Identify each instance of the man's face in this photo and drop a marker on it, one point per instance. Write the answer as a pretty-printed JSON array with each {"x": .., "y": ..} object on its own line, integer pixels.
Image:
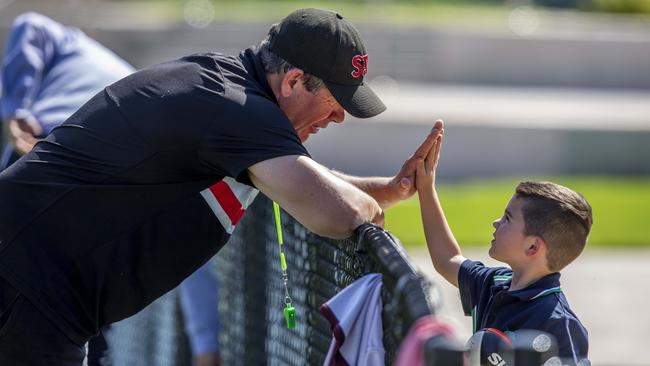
[
  {"x": 509, "y": 241},
  {"x": 309, "y": 112}
]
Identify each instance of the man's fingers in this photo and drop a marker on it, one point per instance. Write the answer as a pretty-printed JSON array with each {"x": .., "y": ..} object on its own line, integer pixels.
[
  {"x": 405, "y": 183},
  {"x": 430, "y": 160},
  {"x": 419, "y": 164},
  {"x": 425, "y": 147},
  {"x": 406, "y": 187}
]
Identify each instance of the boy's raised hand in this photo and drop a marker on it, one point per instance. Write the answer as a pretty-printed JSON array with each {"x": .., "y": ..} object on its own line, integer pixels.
[
  {"x": 426, "y": 168},
  {"x": 445, "y": 252}
]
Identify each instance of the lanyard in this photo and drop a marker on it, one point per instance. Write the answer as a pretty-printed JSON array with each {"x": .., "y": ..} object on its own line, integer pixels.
[{"x": 289, "y": 310}]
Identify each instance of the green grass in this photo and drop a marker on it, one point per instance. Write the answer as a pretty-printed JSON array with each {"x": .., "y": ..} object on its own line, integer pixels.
[
  {"x": 621, "y": 6},
  {"x": 621, "y": 209}
]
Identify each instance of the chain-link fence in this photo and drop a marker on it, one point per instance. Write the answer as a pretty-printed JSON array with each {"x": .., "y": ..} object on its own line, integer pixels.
[
  {"x": 252, "y": 293},
  {"x": 251, "y": 296}
]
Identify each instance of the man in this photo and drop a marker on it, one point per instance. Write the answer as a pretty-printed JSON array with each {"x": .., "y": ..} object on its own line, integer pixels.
[{"x": 127, "y": 209}]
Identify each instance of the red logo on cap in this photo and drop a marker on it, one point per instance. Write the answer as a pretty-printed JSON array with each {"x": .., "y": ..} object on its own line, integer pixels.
[{"x": 360, "y": 64}]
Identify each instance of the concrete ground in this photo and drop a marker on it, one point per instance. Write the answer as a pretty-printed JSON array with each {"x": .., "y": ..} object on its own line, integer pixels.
[{"x": 606, "y": 288}]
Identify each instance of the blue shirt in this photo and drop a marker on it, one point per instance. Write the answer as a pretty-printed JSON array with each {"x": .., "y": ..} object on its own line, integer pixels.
[
  {"x": 485, "y": 295},
  {"x": 50, "y": 70},
  {"x": 199, "y": 303}
]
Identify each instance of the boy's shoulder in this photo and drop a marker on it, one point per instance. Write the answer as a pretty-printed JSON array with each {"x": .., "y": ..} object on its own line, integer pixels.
[
  {"x": 476, "y": 272},
  {"x": 543, "y": 304},
  {"x": 475, "y": 283},
  {"x": 560, "y": 321}
]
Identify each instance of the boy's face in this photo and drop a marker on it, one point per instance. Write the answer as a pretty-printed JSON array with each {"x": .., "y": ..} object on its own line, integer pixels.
[{"x": 509, "y": 241}]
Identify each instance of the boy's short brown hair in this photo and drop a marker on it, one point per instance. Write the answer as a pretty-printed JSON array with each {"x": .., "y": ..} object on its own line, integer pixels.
[{"x": 558, "y": 215}]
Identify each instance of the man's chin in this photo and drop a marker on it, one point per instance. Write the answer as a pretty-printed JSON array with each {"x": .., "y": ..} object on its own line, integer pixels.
[{"x": 304, "y": 136}]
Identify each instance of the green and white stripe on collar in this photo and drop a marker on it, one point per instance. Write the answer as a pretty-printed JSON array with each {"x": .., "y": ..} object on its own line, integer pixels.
[
  {"x": 547, "y": 292},
  {"x": 526, "y": 295},
  {"x": 502, "y": 278}
]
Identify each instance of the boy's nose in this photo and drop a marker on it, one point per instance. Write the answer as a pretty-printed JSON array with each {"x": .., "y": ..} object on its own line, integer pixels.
[{"x": 495, "y": 223}]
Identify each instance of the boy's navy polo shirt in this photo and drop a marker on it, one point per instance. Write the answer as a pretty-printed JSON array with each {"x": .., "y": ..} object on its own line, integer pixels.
[{"x": 540, "y": 306}]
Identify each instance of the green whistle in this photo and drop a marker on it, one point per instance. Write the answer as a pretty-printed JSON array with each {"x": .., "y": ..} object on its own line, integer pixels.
[{"x": 290, "y": 316}]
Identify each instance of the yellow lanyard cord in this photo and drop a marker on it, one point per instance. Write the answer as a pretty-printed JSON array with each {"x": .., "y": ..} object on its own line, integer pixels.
[{"x": 289, "y": 310}]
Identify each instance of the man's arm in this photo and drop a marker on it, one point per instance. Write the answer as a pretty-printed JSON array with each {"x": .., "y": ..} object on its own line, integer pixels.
[
  {"x": 443, "y": 248},
  {"x": 324, "y": 203},
  {"x": 387, "y": 191}
]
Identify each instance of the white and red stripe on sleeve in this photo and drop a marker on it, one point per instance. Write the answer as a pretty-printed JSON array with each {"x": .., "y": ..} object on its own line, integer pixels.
[{"x": 228, "y": 199}]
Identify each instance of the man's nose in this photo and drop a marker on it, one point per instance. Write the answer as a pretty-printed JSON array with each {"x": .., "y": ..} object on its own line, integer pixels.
[
  {"x": 495, "y": 223},
  {"x": 338, "y": 115}
]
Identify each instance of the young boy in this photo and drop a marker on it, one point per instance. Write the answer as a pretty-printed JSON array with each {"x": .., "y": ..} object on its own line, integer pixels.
[{"x": 543, "y": 229}]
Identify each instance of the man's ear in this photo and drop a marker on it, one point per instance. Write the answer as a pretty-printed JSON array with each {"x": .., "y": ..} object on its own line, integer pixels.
[{"x": 290, "y": 81}]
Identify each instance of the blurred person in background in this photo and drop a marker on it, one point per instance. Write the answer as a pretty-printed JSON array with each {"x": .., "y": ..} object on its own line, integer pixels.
[{"x": 50, "y": 70}]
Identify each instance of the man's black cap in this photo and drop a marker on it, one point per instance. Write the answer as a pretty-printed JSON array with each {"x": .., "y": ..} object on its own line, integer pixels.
[{"x": 326, "y": 45}]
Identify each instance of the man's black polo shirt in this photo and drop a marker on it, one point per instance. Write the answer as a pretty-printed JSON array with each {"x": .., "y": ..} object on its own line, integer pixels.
[
  {"x": 540, "y": 306},
  {"x": 105, "y": 214}
]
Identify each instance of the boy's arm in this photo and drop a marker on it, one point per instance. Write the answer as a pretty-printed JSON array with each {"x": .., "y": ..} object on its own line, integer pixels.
[{"x": 443, "y": 248}]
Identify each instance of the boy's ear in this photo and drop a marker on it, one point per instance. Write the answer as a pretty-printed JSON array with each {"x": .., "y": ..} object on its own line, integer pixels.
[{"x": 534, "y": 245}]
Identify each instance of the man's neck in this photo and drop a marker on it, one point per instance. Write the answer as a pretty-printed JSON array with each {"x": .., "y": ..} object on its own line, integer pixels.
[{"x": 525, "y": 276}]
